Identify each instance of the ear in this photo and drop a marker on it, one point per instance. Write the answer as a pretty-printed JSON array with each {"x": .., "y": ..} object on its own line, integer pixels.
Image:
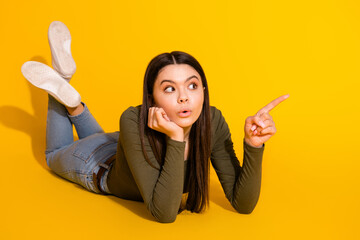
[{"x": 151, "y": 101}]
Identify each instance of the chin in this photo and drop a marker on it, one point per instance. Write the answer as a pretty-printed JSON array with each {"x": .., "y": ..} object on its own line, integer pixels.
[{"x": 185, "y": 122}]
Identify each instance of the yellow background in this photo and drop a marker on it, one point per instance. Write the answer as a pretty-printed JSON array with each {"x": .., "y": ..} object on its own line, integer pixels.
[{"x": 252, "y": 52}]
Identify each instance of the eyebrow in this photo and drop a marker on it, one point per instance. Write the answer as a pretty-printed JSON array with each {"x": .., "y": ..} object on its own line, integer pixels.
[{"x": 189, "y": 78}]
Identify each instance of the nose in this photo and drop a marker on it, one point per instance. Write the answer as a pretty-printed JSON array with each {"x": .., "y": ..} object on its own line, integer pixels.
[{"x": 183, "y": 98}]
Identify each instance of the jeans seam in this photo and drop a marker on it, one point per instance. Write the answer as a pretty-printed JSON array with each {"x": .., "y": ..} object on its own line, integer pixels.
[
  {"x": 77, "y": 119},
  {"x": 81, "y": 115},
  {"x": 92, "y": 153}
]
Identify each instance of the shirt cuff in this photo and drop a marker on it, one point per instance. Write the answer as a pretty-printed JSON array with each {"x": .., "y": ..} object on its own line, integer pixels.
[
  {"x": 253, "y": 149},
  {"x": 176, "y": 143}
]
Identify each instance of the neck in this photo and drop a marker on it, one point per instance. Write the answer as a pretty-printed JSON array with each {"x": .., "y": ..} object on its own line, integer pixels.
[{"x": 187, "y": 132}]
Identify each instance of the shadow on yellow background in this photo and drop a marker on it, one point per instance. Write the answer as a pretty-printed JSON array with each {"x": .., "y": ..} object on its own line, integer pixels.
[{"x": 252, "y": 52}]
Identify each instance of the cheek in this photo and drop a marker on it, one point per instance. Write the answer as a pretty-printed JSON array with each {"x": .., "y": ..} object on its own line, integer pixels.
[
  {"x": 198, "y": 104},
  {"x": 159, "y": 101},
  {"x": 168, "y": 108},
  {"x": 199, "y": 100}
]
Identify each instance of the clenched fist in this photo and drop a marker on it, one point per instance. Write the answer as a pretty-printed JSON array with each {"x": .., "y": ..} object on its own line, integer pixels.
[{"x": 159, "y": 121}]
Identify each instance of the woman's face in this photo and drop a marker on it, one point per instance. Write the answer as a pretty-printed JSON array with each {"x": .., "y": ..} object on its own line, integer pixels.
[{"x": 179, "y": 91}]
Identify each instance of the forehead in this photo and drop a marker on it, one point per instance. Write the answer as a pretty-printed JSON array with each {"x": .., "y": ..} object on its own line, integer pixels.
[{"x": 176, "y": 72}]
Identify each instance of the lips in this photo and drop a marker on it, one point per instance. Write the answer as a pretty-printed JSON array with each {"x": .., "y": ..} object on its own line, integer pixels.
[{"x": 184, "y": 113}]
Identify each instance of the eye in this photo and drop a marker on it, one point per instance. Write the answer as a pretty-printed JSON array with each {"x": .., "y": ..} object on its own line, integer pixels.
[
  {"x": 193, "y": 84},
  {"x": 167, "y": 89}
]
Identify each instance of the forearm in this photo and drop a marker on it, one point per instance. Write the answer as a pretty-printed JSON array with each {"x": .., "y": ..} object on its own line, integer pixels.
[
  {"x": 160, "y": 187},
  {"x": 166, "y": 199},
  {"x": 248, "y": 143},
  {"x": 247, "y": 187}
]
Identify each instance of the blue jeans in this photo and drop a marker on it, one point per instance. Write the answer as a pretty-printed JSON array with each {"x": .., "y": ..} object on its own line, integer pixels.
[{"x": 76, "y": 161}]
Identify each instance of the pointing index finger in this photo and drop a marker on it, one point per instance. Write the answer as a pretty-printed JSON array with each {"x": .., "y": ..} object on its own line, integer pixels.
[{"x": 272, "y": 104}]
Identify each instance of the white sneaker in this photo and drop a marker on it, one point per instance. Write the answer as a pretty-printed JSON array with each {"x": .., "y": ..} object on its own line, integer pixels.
[
  {"x": 44, "y": 77},
  {"x": 60, "y": 40}
]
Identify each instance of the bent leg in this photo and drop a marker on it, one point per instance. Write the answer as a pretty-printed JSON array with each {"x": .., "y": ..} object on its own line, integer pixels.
[
  {"x": 78, "y": 161},
  {"x": 59, "y": 131},
  {"x": 85, "y": 123}
]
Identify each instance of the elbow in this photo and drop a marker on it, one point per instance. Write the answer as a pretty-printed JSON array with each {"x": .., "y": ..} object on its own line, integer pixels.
[
  {"x": 165, "y": 215},
  {"x": 245, "y": 208},
  {"x": 245, "y": 205},
  {"x": 166, "y": 218}
]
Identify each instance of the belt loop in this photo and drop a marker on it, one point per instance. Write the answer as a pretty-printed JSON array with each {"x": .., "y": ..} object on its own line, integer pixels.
[{"x": 104, "y": 165}]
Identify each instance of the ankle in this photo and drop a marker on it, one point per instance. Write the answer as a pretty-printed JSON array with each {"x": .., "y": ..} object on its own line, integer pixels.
[{"x": 76, "y": 110}]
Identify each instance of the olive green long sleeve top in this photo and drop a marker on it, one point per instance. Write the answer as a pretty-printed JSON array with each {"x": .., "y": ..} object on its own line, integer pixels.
[{"x": 131, "y": 177}]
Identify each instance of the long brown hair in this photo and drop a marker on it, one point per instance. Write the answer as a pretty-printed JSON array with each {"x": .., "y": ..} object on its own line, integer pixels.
[{"x": 197, "y": 182}]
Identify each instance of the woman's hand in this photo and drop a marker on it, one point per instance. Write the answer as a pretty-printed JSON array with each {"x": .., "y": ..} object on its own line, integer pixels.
[
  {"x": 159, "y": 121},
  {"x": 261, "y": 127}
]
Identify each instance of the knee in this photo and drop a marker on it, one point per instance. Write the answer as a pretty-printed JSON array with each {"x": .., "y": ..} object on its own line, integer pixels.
[{"x": 47, "y": 158}]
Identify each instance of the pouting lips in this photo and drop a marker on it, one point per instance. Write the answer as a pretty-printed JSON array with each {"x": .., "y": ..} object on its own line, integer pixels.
[
  {"x": 185, "y": 113},
  {"x": 185, "y": 110}
]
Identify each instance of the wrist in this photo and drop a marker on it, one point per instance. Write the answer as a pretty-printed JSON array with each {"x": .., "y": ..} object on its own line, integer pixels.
[
  {"x": 177, "y": 137},
  {"x": 251, "y": 145}
]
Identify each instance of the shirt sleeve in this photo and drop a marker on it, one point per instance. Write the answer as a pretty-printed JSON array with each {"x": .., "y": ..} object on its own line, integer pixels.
[
  {"x": 161, "y": 189},
  {"x": 240, "y": 184}
]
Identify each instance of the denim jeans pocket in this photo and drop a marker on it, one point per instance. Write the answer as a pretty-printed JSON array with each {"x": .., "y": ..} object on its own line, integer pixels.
[{"x": 87, "y": 147}]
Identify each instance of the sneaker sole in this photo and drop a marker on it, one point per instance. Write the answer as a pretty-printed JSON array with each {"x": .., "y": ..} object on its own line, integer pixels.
[
  {"x": 60, "y": 40},
  {"x": 44, "y": 77}
]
